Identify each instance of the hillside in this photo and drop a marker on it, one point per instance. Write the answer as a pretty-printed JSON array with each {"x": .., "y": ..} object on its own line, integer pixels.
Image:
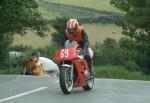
[{"x": 98, "y": 17}]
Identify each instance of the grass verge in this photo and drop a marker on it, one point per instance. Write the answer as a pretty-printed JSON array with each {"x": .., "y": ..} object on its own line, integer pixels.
[
  {"x": 17, "y": 71},
  {"x": 119, "y": 72}
]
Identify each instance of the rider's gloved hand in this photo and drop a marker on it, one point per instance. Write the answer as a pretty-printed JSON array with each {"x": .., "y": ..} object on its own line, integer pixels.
[{"x": 83, "y": 53}]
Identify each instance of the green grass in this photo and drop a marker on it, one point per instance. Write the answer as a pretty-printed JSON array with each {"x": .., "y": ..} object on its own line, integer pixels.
[
  {"x": 46, "y": 14},
  {"x": 93, "y": 4},
  {"x": 119, "y": 72},
  {"x": 3, "y": 71},
  {"x": 16, "y": 70},
  {"x": 51, "y": 9}
]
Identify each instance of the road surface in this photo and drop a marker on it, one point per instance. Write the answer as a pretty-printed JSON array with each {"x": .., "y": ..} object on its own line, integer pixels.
[{"x": 32, "y": 89}]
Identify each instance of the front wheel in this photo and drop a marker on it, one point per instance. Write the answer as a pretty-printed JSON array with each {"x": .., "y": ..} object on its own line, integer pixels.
[{"x": 66, "y": 82}]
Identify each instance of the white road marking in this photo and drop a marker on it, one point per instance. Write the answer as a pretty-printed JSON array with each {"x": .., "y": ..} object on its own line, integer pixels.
[
  {"x": 57, "y": 81},
  {"x": 23, "y": 94}
]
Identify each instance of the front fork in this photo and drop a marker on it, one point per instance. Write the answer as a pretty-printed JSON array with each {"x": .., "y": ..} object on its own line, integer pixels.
[
  {"x": 69, "y": 66},
  {"x": 71, "y": 76}
]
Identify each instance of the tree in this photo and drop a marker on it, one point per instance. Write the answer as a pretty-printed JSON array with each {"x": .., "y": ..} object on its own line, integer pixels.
[
  {"x": 17, "y": 16},
  {"x": 4, "y": 43},
  {"x": 129, "y": 53},
  {"x": 59, "y": 24},
  {"x": 137, "y": 26}
]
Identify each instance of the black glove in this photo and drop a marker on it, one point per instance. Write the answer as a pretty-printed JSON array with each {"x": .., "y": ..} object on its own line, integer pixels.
[{"x": 83, "y": 53}]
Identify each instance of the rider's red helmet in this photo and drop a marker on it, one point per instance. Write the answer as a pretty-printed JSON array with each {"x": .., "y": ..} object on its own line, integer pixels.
[{"x": 72, "y": 26}]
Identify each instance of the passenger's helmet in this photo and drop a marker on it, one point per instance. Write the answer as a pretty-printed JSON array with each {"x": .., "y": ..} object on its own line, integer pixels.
[{"x": 72, "y": 26}]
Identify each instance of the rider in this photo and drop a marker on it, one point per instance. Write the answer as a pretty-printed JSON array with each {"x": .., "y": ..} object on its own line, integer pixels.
[{"x": 76, "y": 32}]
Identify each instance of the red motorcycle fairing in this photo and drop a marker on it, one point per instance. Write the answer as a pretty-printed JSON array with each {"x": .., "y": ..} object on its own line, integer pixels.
[
  {"x": 63, "y": 54},
  {"x": 81, "y": 66}
]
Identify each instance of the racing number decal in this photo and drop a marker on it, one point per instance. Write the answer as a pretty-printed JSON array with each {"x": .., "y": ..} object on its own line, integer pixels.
[{"x": 64, "y": 53}]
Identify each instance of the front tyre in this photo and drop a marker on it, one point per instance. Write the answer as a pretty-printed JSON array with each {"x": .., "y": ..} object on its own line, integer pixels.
[{"x": 66, "y": 82}]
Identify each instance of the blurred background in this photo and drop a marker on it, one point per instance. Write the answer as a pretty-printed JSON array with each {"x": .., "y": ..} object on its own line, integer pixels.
[{"x": 119, "y": 34}]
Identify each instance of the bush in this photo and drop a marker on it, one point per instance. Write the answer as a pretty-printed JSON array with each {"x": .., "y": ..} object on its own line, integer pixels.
[
  {"x": 20, "y": 48},
  {"x": 48, "y": 51},
  {"x": 131, "y": 66},
  {"x": 124, "y": 53},
  {"x": 97, "y": 48},
  {"x": 27, "y": 50},
  {"x": 134, "y": 56},
  {"x": 143, "y": 57},
  {"x": 110, "y": 51},
  {"x": 107, "y": 53}
]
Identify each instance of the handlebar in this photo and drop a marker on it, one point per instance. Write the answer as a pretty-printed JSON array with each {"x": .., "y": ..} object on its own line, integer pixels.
[{"x": 80, "y": 54}]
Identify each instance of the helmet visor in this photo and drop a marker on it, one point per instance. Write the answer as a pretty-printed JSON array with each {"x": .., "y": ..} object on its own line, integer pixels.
[{"x": 72, "y": 31}]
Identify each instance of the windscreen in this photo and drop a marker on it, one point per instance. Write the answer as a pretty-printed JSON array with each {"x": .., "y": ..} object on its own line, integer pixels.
[{"x": 69, "y": 44}]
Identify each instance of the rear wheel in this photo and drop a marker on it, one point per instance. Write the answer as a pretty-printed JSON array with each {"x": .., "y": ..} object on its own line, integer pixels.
[
  {"x": 66, "y": 82},
  {"x": 90, "y": 81},
  {"x": 89, "y": 84}
]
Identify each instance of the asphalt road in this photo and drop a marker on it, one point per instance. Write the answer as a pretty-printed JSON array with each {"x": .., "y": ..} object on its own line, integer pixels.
[{"x": 30, "y": 89}]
